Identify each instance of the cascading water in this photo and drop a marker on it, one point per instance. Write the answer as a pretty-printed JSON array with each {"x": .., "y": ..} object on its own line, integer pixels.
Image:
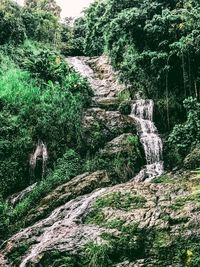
[{"x": 142, "y": 113}]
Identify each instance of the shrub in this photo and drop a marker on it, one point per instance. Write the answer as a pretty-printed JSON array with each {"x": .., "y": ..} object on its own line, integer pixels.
[
  {"x": 11, "y": 24},
  {"x": 125, "y": 107},
  {"x": 186, "y": 137}
]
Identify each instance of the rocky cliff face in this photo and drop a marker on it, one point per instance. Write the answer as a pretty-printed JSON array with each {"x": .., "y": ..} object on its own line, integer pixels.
[{"x": 88, "y": 221}]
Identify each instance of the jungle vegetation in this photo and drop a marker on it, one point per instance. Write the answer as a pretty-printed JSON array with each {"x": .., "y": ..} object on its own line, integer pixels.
[{"x": 153, "y": 43}]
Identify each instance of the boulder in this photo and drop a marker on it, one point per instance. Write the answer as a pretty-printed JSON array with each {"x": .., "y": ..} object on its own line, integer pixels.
[{"x": 101, "y": 126}]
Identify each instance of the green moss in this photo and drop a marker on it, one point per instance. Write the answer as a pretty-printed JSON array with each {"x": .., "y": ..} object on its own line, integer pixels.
[
  {"x": 122, "y": 165},
  {"x": 123, "y": 201},
  {"x": 162, "y": 179},
  {"x": 115, "y": 224},
  {"x": 96, "y": 216},
  {"x": 117, "y": 200},
  {"x": 125, "y": 107},
  {"x": 97, "y": 255},
  {"x": 167, "y": 179},
  {"x": 178, "y": 204},
  {"x": 128, "y": 244},
  {"x": 162, "y": 238},
  {"x": 182, "y": 201},
  {"x": 164, "y": 216},
  {"x": 124, "y": 95},
  {"x": 58, "y": 259}
]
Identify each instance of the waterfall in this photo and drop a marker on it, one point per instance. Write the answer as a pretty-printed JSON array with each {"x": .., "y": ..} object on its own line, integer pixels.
[
  {"x": 142, "y": 110},
  {"x": 142, "y": 113},
  {"x": 40, "y": 155}
]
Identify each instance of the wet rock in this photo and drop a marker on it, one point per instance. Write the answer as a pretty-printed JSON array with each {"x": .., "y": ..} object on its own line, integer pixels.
[
  {"x": 79, "y": 185},
  {"x": 119, "y": 144},
  {"x": 99, "y": 73},
  {"x": 61, "y": 231},
  {"x": 113, "y": 121},
  {"x": 125, "y": 264},
  {"x": 101, "y": 126},
  {"x": 107, "y": 103},
  {"x": 16, "y": 198},
  {"x": 64, "y": 229}
]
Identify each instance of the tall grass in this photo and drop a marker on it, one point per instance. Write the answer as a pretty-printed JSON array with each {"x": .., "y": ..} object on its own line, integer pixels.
[{"x": 16, "y": 87}]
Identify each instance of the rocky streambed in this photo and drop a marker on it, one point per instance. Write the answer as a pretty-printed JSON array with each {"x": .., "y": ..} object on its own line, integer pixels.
[
  {"x": 154, "y": 224},
  {"x": 103, "y": 217}
]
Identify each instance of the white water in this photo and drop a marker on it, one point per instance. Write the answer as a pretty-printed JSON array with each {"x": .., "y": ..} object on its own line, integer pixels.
[
  {"x": 102, "y": 78},
  {"x": 39, "y": 153},
  {"x": 61, "y": 230},
  {"x": 142, "y": 113}
]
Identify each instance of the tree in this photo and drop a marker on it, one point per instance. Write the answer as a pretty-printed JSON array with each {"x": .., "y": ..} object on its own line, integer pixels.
[
  {"x": 41, "y": 19},
  {"x": 11, "y": 24},
  {"x": 46, "y": 5}
]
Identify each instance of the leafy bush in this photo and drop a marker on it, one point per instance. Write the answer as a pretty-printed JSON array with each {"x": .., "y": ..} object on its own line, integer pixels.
[
  {"x": 41, "y": 25},
  {"x": 192, "y": 160},
  {"x": 4, "y": 219},
  {"x": 11, "y": 24},
  {"x": 185, "y": 138},
  {"x": 17, "y": 23},
  {"x": 125, "y": 107}
]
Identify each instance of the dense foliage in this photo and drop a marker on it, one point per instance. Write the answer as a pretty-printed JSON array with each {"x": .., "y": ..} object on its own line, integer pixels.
[
  {"x": 30, "y": 113},
  {"x": 155, "y": 45},
  {"x": 39, "y": 23},
  {"x": 41, "y": 99},
  {"x": 184, "y": 141}
]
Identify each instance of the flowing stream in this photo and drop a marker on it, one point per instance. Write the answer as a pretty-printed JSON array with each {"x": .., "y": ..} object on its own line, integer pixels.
[
  {"x": 61, "y": 230},
  {"x": 142, "y": 113}
]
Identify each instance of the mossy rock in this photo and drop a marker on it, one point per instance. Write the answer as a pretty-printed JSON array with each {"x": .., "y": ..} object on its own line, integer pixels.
[
  {"x": 101, "y": 126},
  {"x": 192, "y": 160},
  {"x": 108, "y": 103},
  {"x": 125, "y": 107},
  {"x": 123, "y": 201},
  {"x": 122, "y": 157}
]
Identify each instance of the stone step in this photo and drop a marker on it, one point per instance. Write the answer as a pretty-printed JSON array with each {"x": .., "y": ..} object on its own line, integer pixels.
[{"x": 107, "y": 103}]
